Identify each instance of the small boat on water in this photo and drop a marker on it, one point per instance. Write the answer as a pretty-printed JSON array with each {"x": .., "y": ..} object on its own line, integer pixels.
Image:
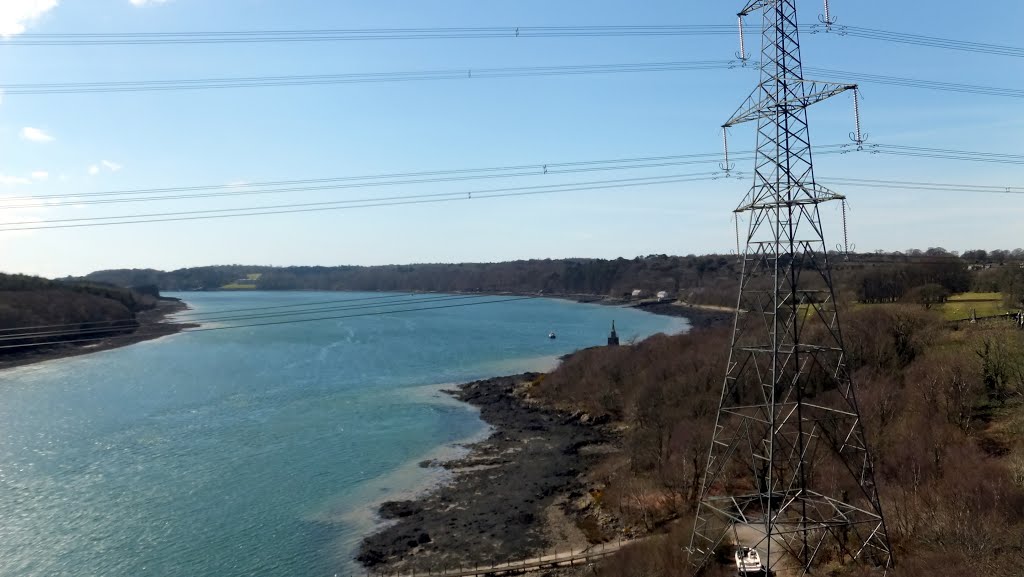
[
  {"x": 551, "y": 335},
  {"x": 748, "y": 561}
]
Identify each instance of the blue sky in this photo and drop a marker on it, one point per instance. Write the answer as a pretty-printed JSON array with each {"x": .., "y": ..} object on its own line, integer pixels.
[{"x": 58, "y": 144}]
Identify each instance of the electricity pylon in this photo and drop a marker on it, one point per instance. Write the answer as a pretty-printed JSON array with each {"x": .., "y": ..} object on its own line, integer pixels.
[{"x": 789, "y": 473}]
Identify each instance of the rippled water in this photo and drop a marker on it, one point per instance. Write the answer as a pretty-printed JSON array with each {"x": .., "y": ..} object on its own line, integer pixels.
[{"x": 258, "y": 451}]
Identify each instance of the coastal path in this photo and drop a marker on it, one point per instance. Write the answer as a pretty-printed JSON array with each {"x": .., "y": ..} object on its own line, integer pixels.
[{"x": 565, "y": 559}]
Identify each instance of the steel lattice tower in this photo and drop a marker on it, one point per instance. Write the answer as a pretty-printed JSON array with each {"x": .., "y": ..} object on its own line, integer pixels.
[{"x": 789, "y": 472}]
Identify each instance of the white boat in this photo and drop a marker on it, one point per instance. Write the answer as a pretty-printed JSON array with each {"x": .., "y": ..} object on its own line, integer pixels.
[
  {"x": 748, "y": 561},
  {"x": 551, "y": 335}
]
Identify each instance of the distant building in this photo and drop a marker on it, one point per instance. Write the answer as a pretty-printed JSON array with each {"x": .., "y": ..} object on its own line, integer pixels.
[
  {"x": 613, "y": 337},
  {"x": 662, "y": 295},
  {"x": 637, "y": 293}
]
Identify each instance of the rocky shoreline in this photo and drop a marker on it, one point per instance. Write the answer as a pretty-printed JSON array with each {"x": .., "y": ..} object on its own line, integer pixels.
[
  {"x": 700, "y": 317},
  {"x": 507, "y": 496},
  {"x": 152, "y": 325},
  {"x": 520, "y": 492}
]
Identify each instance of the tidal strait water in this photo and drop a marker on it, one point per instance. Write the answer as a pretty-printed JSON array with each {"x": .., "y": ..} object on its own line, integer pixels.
[{"x": 254, "y": 451}]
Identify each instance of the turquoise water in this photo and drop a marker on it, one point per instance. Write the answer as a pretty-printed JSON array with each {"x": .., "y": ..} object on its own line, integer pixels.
[{"x": 256, "y": 451}]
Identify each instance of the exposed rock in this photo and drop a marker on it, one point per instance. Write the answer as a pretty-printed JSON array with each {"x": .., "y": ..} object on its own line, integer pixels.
[
  {"x": 494, "y": 507},
  {"x": 399, "y": 509}
]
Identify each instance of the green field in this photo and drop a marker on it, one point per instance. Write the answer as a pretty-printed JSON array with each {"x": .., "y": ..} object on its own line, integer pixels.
[
  {"x": 959, "y": 306},
  {"x": 243, "y": 284},
  {"x": 976, "y": 297}
]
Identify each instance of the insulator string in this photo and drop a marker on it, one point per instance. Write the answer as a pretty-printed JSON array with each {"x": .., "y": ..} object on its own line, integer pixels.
[{"x": 846, "y": 235}]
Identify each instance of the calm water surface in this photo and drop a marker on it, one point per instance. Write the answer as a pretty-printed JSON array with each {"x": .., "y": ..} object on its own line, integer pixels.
[{"x": 256, "y": 451}]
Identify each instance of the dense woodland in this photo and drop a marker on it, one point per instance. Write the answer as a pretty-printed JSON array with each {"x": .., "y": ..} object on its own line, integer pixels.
[
  {"x": 572, "y": 276},
  {"x": 98, "y": 309},
  {"x": 943, "y": 407}
]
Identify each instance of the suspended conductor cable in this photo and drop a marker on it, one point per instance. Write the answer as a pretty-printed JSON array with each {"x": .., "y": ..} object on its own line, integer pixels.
[
  {"x": 825, "y": 23},
  {"x": 199, "y": 316},
  {"x": 273, "y": 323},
  {"x": 357, "y": 78}
]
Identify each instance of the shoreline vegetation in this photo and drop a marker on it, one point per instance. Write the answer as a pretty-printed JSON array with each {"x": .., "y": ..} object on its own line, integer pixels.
[
  {"x": 151, "y": 324},
  {"x": 42, "y": 319}
]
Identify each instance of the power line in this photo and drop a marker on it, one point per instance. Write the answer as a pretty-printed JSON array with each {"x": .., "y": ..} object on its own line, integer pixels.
[
  {"x": 455, "y": 175},
  {"x": 249, "y": 316},
  {"x": 920, "y": 40},
  {"x": 470, "y": 74},
  {"x": 357, "y": 78},
  {"x": 333, "y": 35},
  {"x": 82, "y": 222},
  {"x": 351, "y": 204},
  {"x": 494, "y": 32},
  {"x": 944, "y": 154},
  {"x": 339, "y": 183},
  {"x": 931, "y": 186},
  {"x": 534, "y": 169},
  {"x": 271, "y": 323},
  {"x": 198, "y": 316},
  {"x": 862, "y": 78},
  {"x": 140, "y": 196}
]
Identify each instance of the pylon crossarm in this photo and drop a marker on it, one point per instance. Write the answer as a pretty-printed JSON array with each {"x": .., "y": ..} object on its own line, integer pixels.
[
  {"x": 809, "y": 195},
  {"x": 755, "y": 5},
  {"x": 755, "y": 107}
]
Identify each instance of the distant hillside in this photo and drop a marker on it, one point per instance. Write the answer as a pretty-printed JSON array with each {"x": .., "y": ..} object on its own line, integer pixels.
[
  {"x": 63, "y": 309},
  {"x": 558, "y": 277},
  {"x": 709, "y": 279}
]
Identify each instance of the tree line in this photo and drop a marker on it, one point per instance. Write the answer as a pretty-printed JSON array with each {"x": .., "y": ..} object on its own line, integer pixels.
[
  {"x": 618, "y": 277},
  {"x": 27, "y": 303},
  {"x": 923, "y": 276}
]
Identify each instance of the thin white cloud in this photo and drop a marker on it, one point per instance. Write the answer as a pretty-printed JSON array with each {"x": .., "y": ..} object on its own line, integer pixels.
[
  {"x": 144, "y": 2},
  {"x": 40, "y": 175},
  {"x": 16, "y": 15},
  {"x": 35, "y": 135},
  {"x": 104, "y": 165},
  {"x": 7, "y": 180}
]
